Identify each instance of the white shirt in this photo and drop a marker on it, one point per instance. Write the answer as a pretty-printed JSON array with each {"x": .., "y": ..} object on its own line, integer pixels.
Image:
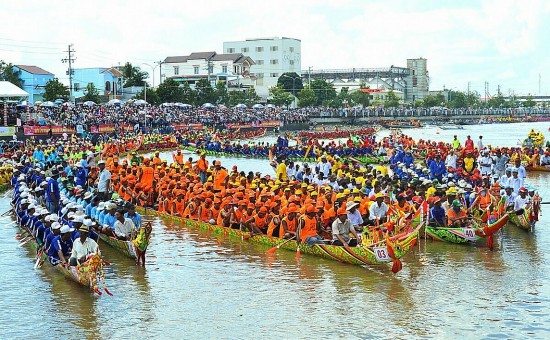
[
  {"x": 324, "y": 168},
  {"x": 520, "y": 203},
  {"x": 84, "y": 249},
  {"x": 450, "y": 161},
  {"x": 377, "y": 211},
  {"x": 124, "y": 229},
  {"x": 521, "y": 172},
  {"x": 355, "y": 218},
  {"x": 104, "y": 176},
  {"x": 516, "y": 183},
  {"x": 486, "y": 169}
]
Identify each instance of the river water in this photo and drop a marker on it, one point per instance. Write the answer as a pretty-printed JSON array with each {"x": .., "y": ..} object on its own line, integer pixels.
[{"x": 198, "y": 286}]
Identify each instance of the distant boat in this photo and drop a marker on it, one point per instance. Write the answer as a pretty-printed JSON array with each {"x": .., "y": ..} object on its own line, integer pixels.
[{"x": 451, "y": 127}]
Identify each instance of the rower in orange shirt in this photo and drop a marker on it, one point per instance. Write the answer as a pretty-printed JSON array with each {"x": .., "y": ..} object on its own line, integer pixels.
[
  {"x": 220, "y": 177},
  {"x": 456, "y": 215}
]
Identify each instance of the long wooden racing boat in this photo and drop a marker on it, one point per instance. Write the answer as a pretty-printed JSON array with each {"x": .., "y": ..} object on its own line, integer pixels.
[
  {"x": 545, "y": 168},
  {"x": 522, "y": 221},
  {"x": 380, "y": 253},
  {"x": 472, "y": 233},
  {"x": 89, "y": 274},
  {"x": 134, "y": 248}
]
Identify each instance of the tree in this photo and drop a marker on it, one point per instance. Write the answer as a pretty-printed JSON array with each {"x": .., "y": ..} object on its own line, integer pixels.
[
  {"x": 324, "y": 91},
  {"x": 251, "y": 97},
  {"x": 290, "y": 82},
  {"x": 434, "y": 100},
  {"x": 169, "y": 91},
  {"x": 221, "y": 93},
  {"x": 133, "y": 75},
  {"x": 91, "y": 93},
  {"x": 280, "y": 97},
  {"x": 8, "y": 73},
  {"x": 391, "y": 99},
  {"x": 457, "y": 99},
  {"x": 236, "y": 97},
  {"x": 307, "y": 97},
  {"x": 529, "y": 101},
  {"x": 359, "y": 97},
  {"x": 473, "y": 99},
  {"x": 151, "y": 98},
  {"x": 204, "y": 92},
  {"x": 188, "y": 94},
  {"x": 55, "y": 89},
  {"x": 496, "y": 101}
]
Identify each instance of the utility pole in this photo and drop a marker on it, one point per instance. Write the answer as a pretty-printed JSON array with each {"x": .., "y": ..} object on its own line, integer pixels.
[
  {"x": 160, "y": 70},
  {"x": 70, "y": 72},
  {"x": 309, "y": 76}
]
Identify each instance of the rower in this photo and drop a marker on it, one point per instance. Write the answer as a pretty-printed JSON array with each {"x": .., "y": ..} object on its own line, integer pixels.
[
  {"x": 123, "y": 227},
  {"x": 61, "y": 247},
  {"x": 133, "y": 215},
  {"x": 354, "y": 216},
  {"x": 438, "y": 214},
  {"x": 341, "y": 228},
  {"x": 456, "y": 214},
  {"x": 509, "y": 197},
  {"x": 308, "y": 228},
  {"x": 83, "y": 247},
  {"x": 378, "y": 211},
  {"x": 521, "y": 201}
]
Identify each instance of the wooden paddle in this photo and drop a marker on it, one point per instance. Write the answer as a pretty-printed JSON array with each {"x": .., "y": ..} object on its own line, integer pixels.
[{"x": 274, "y": 249}]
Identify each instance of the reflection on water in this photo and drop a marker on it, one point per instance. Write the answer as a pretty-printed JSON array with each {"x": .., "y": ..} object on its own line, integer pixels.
[{"x": 202, "y": 285}]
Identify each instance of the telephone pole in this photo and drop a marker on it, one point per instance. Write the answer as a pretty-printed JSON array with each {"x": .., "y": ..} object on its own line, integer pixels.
[{"x": 70, "y": 59}]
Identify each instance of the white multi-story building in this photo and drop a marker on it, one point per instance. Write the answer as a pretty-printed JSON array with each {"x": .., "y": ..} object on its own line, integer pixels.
[
  {"x": 232, "y": 68},
  {"x": 272, "y": 57}
]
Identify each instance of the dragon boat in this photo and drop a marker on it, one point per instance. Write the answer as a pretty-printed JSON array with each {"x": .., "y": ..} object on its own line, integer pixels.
[
  {"x": 391, "y": 249},
  {"x": 360, "y": 159},
  {"x": 88, "y": 274},
  {"x": 524, "y": 220},
  {"x": 476, "y": 230},
  {"x": 135, "y": 248},
  {"x": 542, "y": 168}
]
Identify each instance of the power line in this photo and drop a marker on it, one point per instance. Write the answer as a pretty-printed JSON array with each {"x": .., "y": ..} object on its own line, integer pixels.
[
  {"x": 29, "y": 52},
  {"x": 34, "y": 41},
  {"x": 70, "y": 60}
]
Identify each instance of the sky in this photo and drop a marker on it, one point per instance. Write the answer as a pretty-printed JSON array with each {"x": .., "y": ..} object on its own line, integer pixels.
[{"x": 505, "y": 43}]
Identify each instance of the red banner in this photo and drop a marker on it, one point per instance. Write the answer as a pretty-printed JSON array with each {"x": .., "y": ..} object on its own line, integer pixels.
[
  {"x": 264, "y": 124},
  {"x": 108, "y": 128},
  {"x": 43, "y": 130},
  {"x": 196, "y": 126}
]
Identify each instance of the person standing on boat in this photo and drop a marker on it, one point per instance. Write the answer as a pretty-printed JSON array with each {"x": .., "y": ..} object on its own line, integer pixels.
[
  {"x": 515, "y": 182},
  {"x": 522, "y": 173},
  {"x": 480, "y": 143},
  {"x": 341, "y": 228},
  {"x": 469, "y": 144},
  {"x": 500, "y": 162},
  {"x": 104, "y": 182},
  {"x": 485, "y": 163},
  {"x": 83, "y": 246},
  {"x": 52, "y": 193},
  {"x": 450, "y": 160},
  {"x": 456, "y": 142}
]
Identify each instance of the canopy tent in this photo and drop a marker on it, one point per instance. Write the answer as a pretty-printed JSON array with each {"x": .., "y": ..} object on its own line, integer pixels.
[{"x": 7, "y": 89}]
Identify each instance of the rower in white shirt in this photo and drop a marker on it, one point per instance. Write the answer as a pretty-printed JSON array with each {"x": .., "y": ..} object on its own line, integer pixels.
[
  {"x": 83, "y": 247},
  {"x": 522, "y": 200}
]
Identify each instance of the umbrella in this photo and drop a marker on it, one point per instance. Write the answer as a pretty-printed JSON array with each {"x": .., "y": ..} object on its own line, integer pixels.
[
  {"x": 270, "y": 106},
  {"x": 167, "y": 104},
  {"x": 140, "y": 102},
  {"x": 207, "y": 105},
  {"x": 241, "y": 106},
  {"x": 257, "y": 106},
  {"x": 38, "y": 103},
  {"x": 47, "y": 104},
  {"x": 89, "y": 103},
  {"x": 114, "y": 102},
  {"x": 59, "y": 101}
]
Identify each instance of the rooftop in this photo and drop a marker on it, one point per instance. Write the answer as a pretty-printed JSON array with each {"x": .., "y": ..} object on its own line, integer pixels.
[{"x": 33, "y": 69}]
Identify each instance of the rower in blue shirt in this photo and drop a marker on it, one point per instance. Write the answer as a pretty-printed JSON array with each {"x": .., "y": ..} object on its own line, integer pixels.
[
  {"x": 61, "y": 247},
  {"x": 134, "y": 216},
  {"x": 437, "y": 214}
]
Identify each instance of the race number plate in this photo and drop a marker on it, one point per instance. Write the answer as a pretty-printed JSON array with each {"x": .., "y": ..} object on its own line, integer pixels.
[
  {"x": 381, "y": 254},
  {"x": 469, "y": 234}
]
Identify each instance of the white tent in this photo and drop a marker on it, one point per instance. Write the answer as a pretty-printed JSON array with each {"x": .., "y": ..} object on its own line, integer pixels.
[{"x": 7, "y": 89}]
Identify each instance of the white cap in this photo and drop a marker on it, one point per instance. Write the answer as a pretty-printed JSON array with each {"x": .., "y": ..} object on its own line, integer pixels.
[
  {"x": 65, "y": 229},
  {"x": 53, "y": 217},
  {"x": 64, "y": 211},
  {"x": 70, "y": 215},
  {"x": 78, "y": 219},
  {"x": 24, "y": 194},
  {"x": 56, "y": 225},
  {"x": 87, "y": 222},
  {"x": 31, "y": 206},
  {"x": 24, "y": 201}
]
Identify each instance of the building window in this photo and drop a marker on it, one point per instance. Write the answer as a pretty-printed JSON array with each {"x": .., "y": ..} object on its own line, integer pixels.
[
  {"x": 176, "y": 70},
  {"x": 291, "y": 49},
  {"x": 224, "y": 69},
  {"x": 259, "y": 62},
  {"x": 274, "y": 75},
  {"x": 211, "y": 68},
  {"x": 76, "y": 86},
  {"x": 274, "y": 61},
  {"x": 259, "y": 75},
  {"x": 259, "y": 49},
  {"x": 291, "y": 62},
  {"x": 244, "y": 49},
  {"x": 230, "y": 50},
  {"x": 415, "y": 81},
  {"x": 195, "y": 70},
  {"x": 274, "y": 48}
]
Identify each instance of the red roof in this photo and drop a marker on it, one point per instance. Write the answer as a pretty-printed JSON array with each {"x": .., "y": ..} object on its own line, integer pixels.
[{"x": 33, "y": 69}]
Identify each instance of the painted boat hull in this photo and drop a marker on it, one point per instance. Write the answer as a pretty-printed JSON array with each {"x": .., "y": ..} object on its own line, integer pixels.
[
  {"x": 126, "y": 248},
  {"x": 521, "y": 221},
  {"x": 545, "y": 168},
  {"x": 352, "y": 255},
  {"x": 456, "y": 235}
]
